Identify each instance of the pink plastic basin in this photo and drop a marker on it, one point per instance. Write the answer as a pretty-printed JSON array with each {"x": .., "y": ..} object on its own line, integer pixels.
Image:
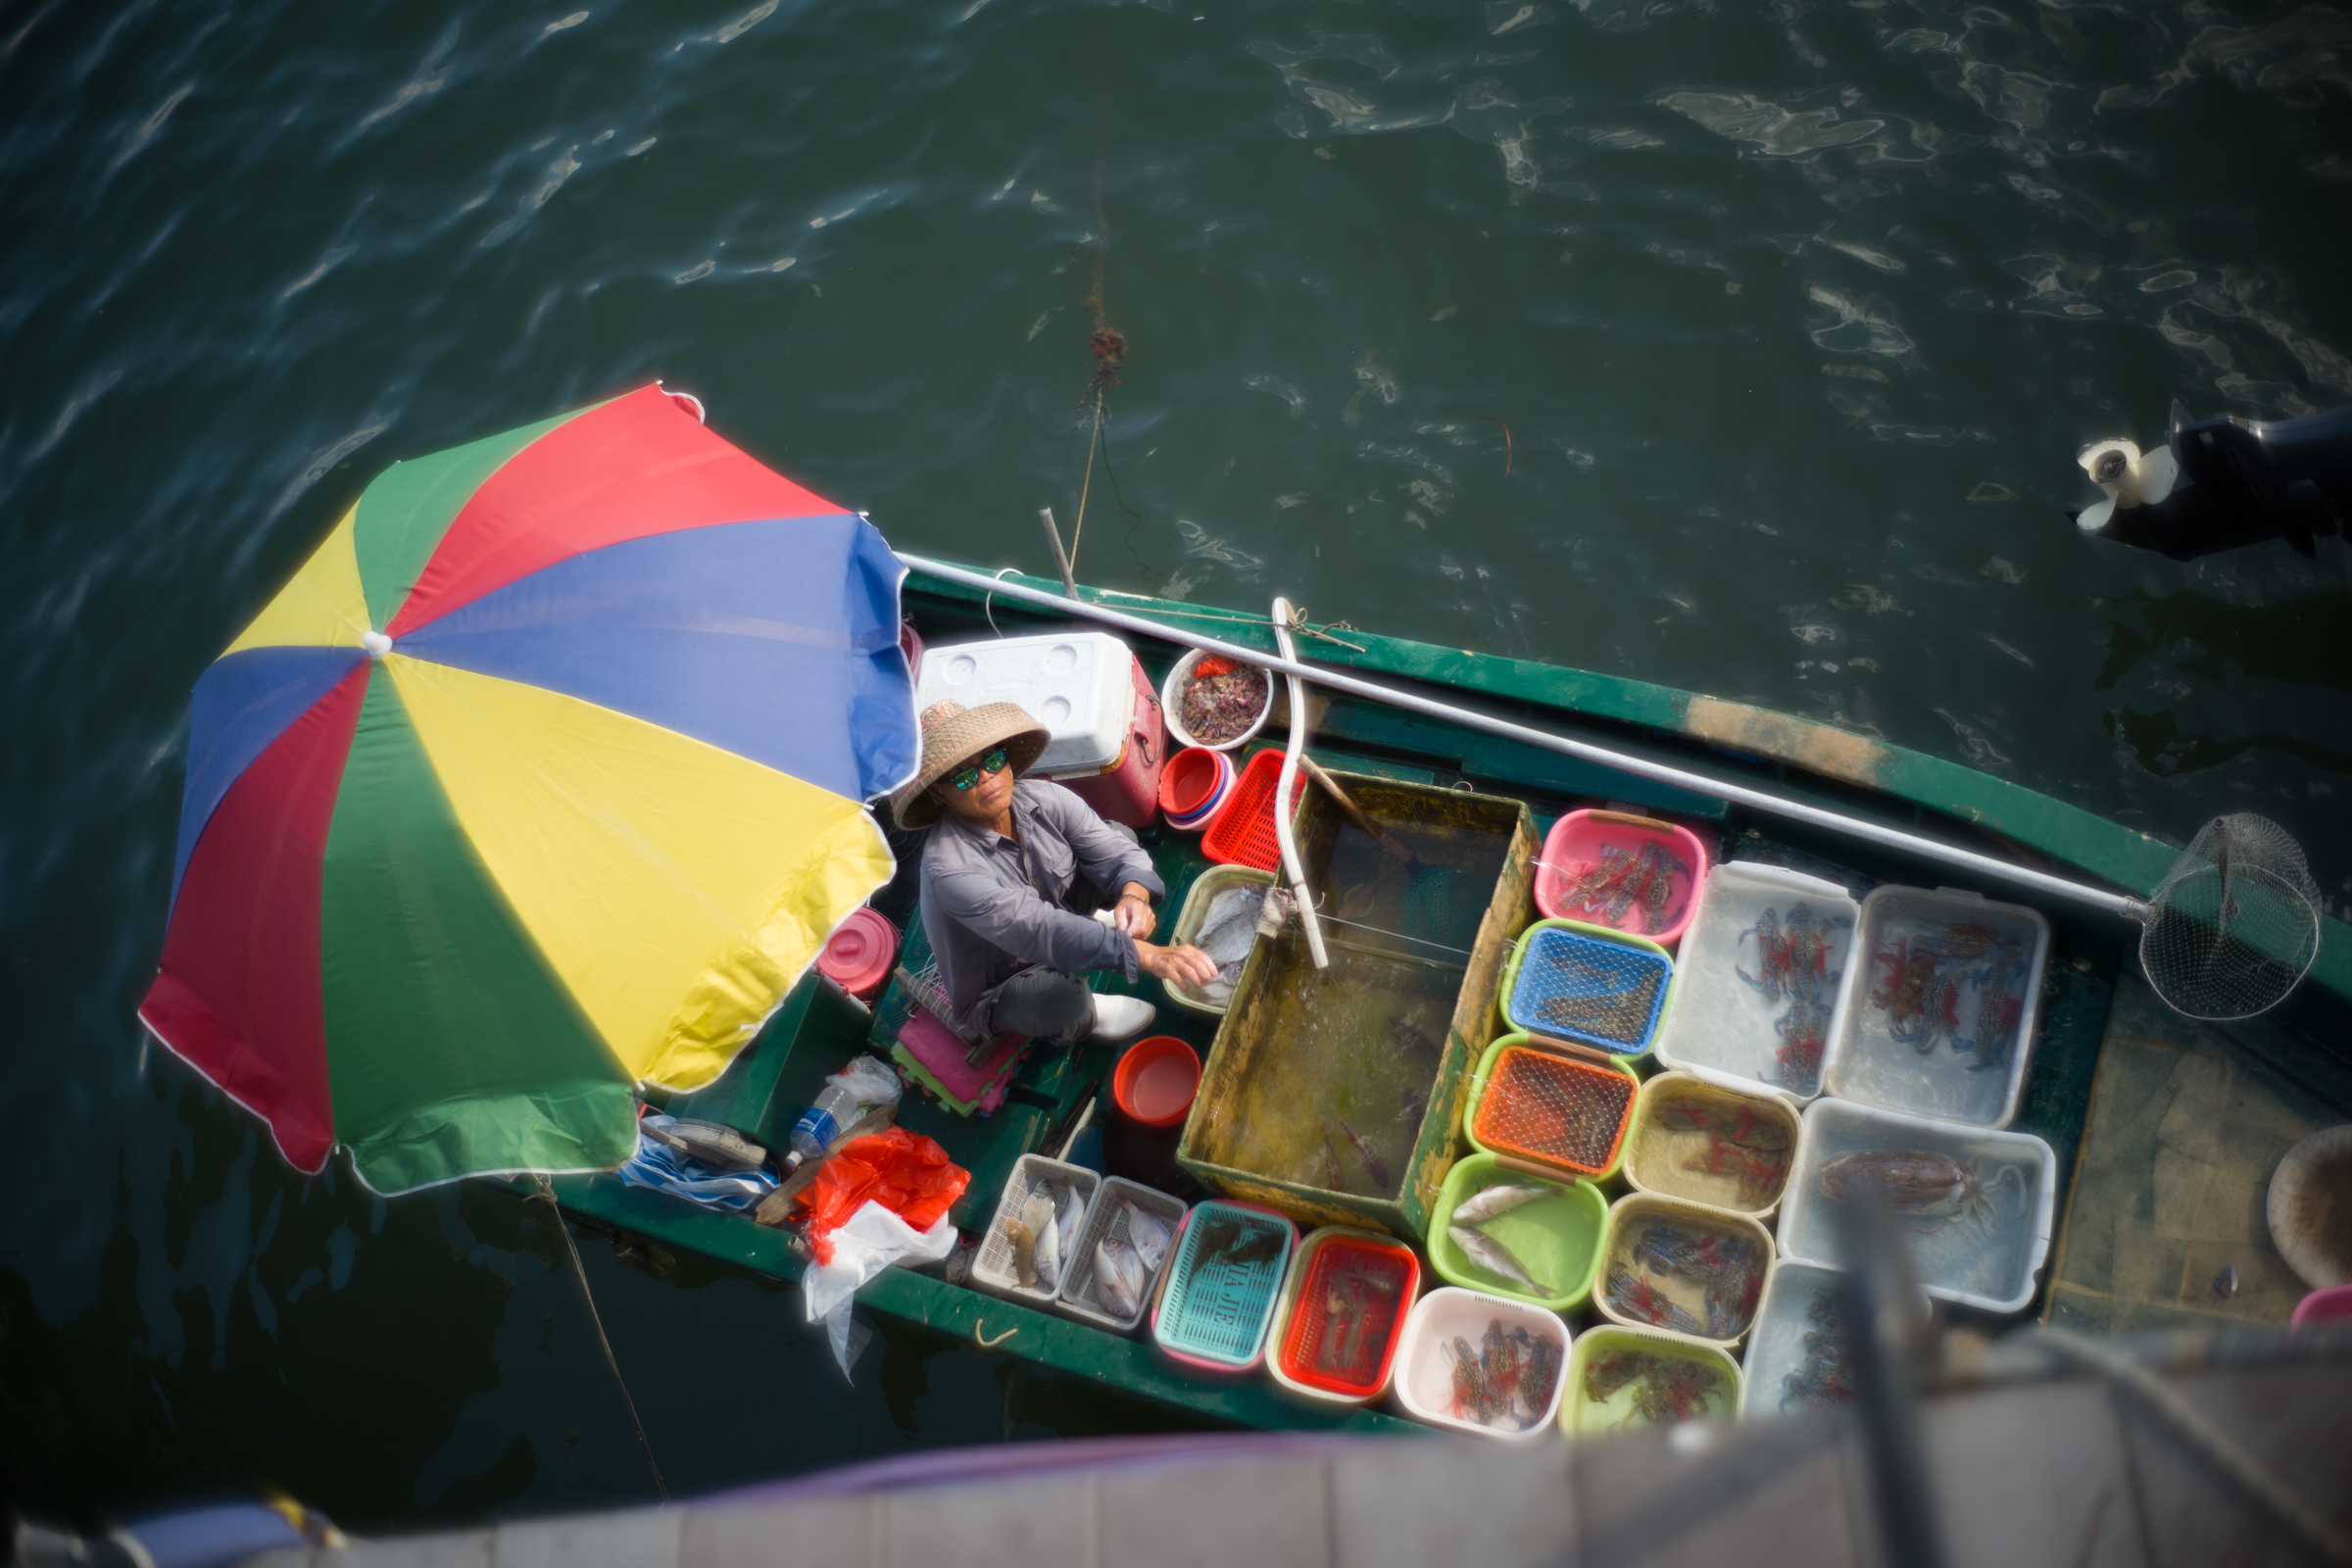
[{"x": 1574, "y": 846}]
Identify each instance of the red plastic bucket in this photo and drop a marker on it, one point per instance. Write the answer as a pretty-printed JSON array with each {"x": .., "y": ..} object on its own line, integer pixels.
[
  {"x": 1156, "y": 1081},
  {"x": 858, "y": 955},
  {"x": 1191, "y": 783}
]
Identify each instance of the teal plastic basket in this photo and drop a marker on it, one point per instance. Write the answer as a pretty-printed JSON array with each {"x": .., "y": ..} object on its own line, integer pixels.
[
  {"x": 1215, "y": 1309},
  {"x": 1569, "y": 986}
]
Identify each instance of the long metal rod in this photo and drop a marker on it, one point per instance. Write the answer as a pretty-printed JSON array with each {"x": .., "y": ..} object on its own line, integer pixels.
[
  {"x": 1284, "y": 796},
  {"x": 2122, "y": 905}
]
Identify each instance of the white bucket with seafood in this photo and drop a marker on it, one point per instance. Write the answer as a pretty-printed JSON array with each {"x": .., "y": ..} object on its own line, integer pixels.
[{"x": 1465, "y": 1364}]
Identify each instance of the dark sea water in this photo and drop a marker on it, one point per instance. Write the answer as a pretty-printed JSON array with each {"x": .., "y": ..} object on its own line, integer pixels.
[{"x": 1796, "y": 314}]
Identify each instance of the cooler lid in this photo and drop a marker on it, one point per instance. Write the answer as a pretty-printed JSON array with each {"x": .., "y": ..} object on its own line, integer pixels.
[{"x": 1079, "y": 684}]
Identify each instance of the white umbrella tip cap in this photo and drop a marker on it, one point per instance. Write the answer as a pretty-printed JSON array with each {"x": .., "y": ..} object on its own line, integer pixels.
[{"x": 376, "y": 644}]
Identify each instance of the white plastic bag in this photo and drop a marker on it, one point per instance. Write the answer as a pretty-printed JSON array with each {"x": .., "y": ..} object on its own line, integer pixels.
[
  {"x": 870, "y": 1081},
  {"x": 867, "y": 1243}
]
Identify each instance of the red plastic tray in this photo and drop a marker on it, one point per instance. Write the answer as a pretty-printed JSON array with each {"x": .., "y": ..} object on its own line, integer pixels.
[
  {"x": 1349, "y": 1355},
  {"x": 1242, "y": 833}
]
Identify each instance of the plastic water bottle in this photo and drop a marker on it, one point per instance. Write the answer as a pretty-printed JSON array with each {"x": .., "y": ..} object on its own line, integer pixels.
[{"x": 821, "y": 1123}]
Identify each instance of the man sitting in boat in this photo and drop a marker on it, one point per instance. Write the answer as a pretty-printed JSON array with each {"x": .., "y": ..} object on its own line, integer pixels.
[{"x": 1012, "y": 871}]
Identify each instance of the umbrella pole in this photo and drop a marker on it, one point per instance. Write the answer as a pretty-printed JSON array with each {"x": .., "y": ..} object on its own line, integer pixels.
[{"x": 579, "y": 1272}]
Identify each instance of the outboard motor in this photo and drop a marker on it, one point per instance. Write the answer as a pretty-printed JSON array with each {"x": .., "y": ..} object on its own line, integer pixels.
[{"x": 2224, "y": 482}]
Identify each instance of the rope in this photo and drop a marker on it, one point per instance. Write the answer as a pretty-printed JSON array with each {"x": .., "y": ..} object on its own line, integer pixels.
[
  {"x": 1380, "y": 930},
  {"x": 1087, "y": 484},
  {"x": 579, "y": 1272},
  {"x": 1299, "y": 626},
  {"x": 988, "y": 601}
]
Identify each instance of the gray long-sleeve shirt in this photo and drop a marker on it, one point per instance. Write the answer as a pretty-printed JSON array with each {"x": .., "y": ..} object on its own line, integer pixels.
[{"x": 992, "y": 906}]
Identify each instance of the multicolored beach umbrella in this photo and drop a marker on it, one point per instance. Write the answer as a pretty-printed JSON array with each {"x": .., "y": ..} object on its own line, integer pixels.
[{"x": 542, "y": 779}]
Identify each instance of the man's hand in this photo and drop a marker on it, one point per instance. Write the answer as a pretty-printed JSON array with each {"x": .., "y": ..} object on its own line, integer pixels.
[
  {"x": 1133, "y": 912},
  {"x": 1183, "y": 963}
]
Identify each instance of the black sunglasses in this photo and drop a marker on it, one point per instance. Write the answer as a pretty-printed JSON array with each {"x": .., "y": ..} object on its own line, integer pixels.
[{"x": 963, "y": 778}]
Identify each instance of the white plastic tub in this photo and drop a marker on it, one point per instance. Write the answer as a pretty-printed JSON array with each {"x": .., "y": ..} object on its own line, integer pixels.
[
  {"x": 992, "y": 1269},
  {"x": 1941, "y": 1020},
  {"x": 1751, "y": 999},
  {"x": 1776, "y": 1346},
  {"x": 1423, "y": 1385},
  {"x": 1985, "y": 1260},
  {"x": 1078, "y": 684},
  {"x": 1106, "y": 1217}
]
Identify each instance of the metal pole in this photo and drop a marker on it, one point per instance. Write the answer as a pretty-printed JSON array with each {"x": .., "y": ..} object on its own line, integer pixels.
[
  {"x": 1062, "y": 563},
  {"x": 1285, "y": 800},
  {"x": 2122, "y": 905}
]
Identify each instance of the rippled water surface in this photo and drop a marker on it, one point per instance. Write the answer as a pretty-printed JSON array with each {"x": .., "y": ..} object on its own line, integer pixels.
[{"x": 1739, "y": 348}]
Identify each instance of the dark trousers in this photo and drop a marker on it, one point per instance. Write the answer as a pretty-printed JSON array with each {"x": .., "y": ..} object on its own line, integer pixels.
[{"x": 1049, "y": 1007}]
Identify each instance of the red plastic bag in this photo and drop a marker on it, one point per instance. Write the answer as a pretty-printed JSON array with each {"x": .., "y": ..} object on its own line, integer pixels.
[{"x": 905, "y": 1172}]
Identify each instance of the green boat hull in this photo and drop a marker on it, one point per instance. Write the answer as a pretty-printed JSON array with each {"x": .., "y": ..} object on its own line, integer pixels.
[{"x": 817, "y": 1030}]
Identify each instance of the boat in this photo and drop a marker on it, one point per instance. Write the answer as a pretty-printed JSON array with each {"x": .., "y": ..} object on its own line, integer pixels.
[{"x": 1768, "y": 786}]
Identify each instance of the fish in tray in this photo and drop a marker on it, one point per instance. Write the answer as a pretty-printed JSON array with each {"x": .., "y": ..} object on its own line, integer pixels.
[
  {"x": 1120, "y": 1278},
  {"x": 1225, "y": 1240},
  {"x": 1619, "y": 1012},
  {"x": 1045, "y": 1236},
  {"x": 1501, "y": 1199},
  {"x": 1147, "y": 1234},
  {"x": 1495, "y": 1259},
  {"x": 1227, "y": 930},
  {"x": 707, "y": 1142}
]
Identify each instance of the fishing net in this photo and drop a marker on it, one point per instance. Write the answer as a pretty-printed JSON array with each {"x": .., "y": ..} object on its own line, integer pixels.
[
  {"x": 1442, "y": 907},
  {"x": 2235, "y": 923},
  {"x": 1549, "y": 1108}
]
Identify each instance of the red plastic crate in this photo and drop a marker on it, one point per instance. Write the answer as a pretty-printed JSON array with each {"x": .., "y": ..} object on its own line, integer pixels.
[
  {"x": 1242, "y": 833},
  {"x": 1349, "y": 1354}
]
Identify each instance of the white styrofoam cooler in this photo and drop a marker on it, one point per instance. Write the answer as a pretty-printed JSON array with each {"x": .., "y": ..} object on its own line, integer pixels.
[
  {"x": 1075, "y": 683},
  {"x": 1107, "y": 741}
]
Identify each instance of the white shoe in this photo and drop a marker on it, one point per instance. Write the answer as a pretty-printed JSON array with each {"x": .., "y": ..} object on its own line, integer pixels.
[{"x": 1118, "y": 1018}]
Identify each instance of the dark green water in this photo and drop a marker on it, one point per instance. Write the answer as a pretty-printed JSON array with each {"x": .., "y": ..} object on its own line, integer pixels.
[{"x": 1796, "y": 314}]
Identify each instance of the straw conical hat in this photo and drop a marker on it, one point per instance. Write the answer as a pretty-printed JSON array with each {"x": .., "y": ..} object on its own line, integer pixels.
[{"x": 954, "y": 734}]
